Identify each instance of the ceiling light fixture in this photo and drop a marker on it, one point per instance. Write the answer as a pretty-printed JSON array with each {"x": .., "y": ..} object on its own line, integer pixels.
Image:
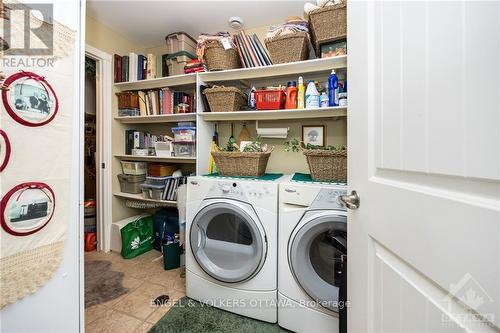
[{"x": 236, "y": 22}]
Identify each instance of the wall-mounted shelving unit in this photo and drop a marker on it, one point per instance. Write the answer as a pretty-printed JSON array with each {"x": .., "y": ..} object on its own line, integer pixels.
[
  {"x": 139, "y": 197},
  {"x": 244, "y": 77}
]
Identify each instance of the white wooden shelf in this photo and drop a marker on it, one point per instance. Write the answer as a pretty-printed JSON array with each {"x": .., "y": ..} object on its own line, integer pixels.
[
  {"x": 292, "y": 68},
  {"x": 161, "y": 82},
  {"x": 141, "y": 198},
  {"x": 157, "y": 159},
  {"x": 164, "y": 118},
  {"x": 335, "y": 111}
]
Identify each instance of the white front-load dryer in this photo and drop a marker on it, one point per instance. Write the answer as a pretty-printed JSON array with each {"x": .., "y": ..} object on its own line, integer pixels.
[
  {"x": 231, "y": 245},
  {"x": 312, "y": 248}
]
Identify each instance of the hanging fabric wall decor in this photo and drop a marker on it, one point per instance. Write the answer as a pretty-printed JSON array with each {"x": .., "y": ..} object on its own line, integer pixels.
[{"x": 38, "y": 106}]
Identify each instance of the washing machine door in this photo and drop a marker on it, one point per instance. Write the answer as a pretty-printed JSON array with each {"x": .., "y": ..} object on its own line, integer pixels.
[
  {"x": 315, "y": 252},
  {"x": 228, "y": 241}
]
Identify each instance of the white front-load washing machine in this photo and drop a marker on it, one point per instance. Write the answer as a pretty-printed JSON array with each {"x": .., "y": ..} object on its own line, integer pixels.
[
  {"x": 231, "y": 245},
  {"x": 312, "y": 248}
]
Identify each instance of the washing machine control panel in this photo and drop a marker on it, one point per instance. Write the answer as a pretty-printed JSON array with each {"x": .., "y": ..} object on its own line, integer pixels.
[
  {"x": 329, "y": 199},
  {"x": 240, "y": 191}
]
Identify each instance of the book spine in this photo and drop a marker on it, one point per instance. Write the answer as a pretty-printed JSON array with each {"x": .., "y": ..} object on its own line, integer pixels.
[
  {"x": 249, "y": 49},
  {"x": 240, "y": 52},
  {"x": 263, "y": 52},
  {"x": 254, "y": 50},
  {"x": 137, "y": 140},
  {"x": 118, "y": 68},
  {"x": 245, "y": 52}
]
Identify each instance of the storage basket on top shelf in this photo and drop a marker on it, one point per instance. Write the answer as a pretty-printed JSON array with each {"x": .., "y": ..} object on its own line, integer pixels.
[
  {"x": 225, "y": 99},
  {"x": 328, "y": 24},
  {"x": 243, "y": 164},
  {"x": 327, "y": 165},
  {"x": 217, "y": 58},
  {"x": 288, "y": 48}
]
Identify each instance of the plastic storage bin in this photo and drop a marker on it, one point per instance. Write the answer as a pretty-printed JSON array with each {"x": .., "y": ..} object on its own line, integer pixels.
[
  {"x": 163, "y": 148},
  {"x": 154, "y": 192},
  {"x": 156, "y": 180},
  {"x": 131, "y": 183},
  {"x": 134, "y": 168},
  {"x": 184, "y": 134},
  {"x": 270, "y": 99},
  {"x": 177, "y": 61},
  {"x": 160, "y": 170},
  {"x": 185, "y": 149},
  {"x": 180, "y": 41}
]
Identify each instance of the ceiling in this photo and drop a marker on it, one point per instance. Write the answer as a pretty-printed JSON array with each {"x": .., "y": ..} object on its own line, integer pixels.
[{"x": 147, "y": 22}]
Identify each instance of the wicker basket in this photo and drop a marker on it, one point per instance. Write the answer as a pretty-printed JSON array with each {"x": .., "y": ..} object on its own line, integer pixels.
[
  {"x": 288, "y": 48},
  {"x": 328, "y": 24},
  {"x": 225, "y": 99},
  {"x": 241, "y": 164},
  {"x": 327, "y": 165},
  {"x": 128, "y": 100},
  {"x": 218, "y": 59}
]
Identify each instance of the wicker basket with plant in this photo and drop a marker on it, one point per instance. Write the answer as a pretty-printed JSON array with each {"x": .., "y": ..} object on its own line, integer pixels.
[
  {"x": 328, "y": 163},
  {"x": 251, "y": 162}
]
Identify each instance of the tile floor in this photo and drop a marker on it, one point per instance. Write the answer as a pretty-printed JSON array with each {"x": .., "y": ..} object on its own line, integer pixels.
[{"x": 133, "y": 312}]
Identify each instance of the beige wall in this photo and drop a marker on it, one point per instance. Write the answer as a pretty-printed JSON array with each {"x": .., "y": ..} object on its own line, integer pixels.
[{"x": 103, "y": 38}]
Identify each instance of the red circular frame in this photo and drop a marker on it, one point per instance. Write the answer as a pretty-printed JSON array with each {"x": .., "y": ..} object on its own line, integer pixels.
[
  {"x": 12, "y": 113},
  {"x": 7, "y": 150},
  {"x": 5, "y": 200}
]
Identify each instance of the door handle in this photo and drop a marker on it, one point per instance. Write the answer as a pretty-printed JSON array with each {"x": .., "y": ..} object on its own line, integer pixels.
[{"x": 351, "y": 201}]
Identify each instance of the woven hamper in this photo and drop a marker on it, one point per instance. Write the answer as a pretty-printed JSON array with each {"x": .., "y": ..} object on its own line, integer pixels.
[
  {"x": 225, "y": 99},
  {"x": 218, "y": 59},
  {"x": 251, "y": 164},
  {"x": 327, "y": 165},
  {"x": 288, "y": 48},
  {"x": 328, "y": 24}
]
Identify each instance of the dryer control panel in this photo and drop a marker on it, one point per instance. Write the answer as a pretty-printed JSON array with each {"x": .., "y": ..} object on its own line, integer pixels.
[
  {"x": 329, "y": 199},
  {"x": 241, "y": 190}
]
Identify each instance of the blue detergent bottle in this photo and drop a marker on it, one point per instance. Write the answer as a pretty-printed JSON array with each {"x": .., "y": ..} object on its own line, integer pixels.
[{"x": 333, "y": 89}]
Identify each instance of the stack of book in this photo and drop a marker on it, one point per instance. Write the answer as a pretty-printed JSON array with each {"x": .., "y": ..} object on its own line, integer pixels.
[
  {"x": 251, "y": 51},
  {"x": 164, "y": 101},
  {"x": 135, "y": 139},
  {"x": 134, "y": 67},
  {"x": 194, "y": 66}
]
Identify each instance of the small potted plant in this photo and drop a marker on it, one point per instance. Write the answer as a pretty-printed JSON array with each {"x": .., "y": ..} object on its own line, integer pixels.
[
  {"x": 326, "y": 163},
  {"x": 250, "y": 162}
]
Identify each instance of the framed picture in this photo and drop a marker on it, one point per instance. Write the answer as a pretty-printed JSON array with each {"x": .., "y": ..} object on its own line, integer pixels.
[
  {"x": 313, "y": 134},
  {"x": 29, "y": 99},
  {"x": 27, "y": 208}
]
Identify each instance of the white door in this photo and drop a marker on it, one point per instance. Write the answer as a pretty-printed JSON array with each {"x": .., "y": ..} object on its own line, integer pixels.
[{"x": 424, "y": 157}]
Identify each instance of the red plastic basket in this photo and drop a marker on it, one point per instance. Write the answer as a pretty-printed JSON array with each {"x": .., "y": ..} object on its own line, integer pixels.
[{"x": 270, "y": 99}]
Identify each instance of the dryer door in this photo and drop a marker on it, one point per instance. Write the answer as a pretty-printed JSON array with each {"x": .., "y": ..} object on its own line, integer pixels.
[
  {"x": 228, "y": 242},
  {"x": 314, "y": 254}
]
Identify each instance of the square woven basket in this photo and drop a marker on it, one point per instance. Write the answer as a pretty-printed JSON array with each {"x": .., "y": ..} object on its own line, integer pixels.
[
  {"x": 288, "y": 48},
  {"x": 225, "y": 99},
  {"x": 327, "y": 165},
  {"x": 328, "y": 24},
  {"x": 217, "y": 58}
]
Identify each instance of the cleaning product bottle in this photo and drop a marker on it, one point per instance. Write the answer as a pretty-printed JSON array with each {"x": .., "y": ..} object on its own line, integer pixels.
[
  {"x": 312, "y": 96},
  {"x": 323, "y": 100},
  {"x": 252, "y": 105},
  {"x": 333, "y": 89},
  {"x": 291, "y": 95},
  {"x": 300, "y": 94}
]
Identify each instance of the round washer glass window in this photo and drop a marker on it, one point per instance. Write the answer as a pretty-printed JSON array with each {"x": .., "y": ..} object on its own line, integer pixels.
[
  {"x": 29, "y": 99},
  {"x": 27, "y": 208},
  {"x": 315, "y": 258},
  {"x": 227, "y": 243}
]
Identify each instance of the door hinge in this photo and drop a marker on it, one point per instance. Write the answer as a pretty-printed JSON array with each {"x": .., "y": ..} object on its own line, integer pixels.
[{"x": 103, "y": 166}]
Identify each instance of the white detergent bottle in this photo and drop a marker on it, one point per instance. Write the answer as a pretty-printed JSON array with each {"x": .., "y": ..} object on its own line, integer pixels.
[{"x": 312, "y": 96}]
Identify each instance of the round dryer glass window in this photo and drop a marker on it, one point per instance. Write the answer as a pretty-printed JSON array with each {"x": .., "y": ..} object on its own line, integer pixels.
[
  {"x": 315, "y": 255},
  {"x": 227, "y": 242}
]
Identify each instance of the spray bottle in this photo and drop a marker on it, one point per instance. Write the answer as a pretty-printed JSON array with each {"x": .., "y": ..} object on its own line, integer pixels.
[
  {"x": 300, "y": 94},
  {"x": 333, "y": 89}
]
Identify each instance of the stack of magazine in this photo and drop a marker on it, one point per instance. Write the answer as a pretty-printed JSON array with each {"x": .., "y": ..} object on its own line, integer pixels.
[
  {"x": 251, "y": 51},
  {"x": 171, "y": 185}
]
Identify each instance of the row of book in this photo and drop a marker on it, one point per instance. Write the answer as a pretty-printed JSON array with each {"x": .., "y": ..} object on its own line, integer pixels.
[
  {"x": 164, "y": 101},
  {"x": 171, "y": 186},
  {"x": 251, "y": 51},
  {"x": 133, "y": 67},
  {"x": 135, "y": 139}
]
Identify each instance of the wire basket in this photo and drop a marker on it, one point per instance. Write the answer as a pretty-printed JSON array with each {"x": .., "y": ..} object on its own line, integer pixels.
[
  {"x": 328, "y": 24},
  {"x": 217, "y": 58},
  {"x": 327, "y": 165},
  {"x": 241, "y": 164},
  {"x": 288, "y": 48},
  {"x": 225, "y": 99}
]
